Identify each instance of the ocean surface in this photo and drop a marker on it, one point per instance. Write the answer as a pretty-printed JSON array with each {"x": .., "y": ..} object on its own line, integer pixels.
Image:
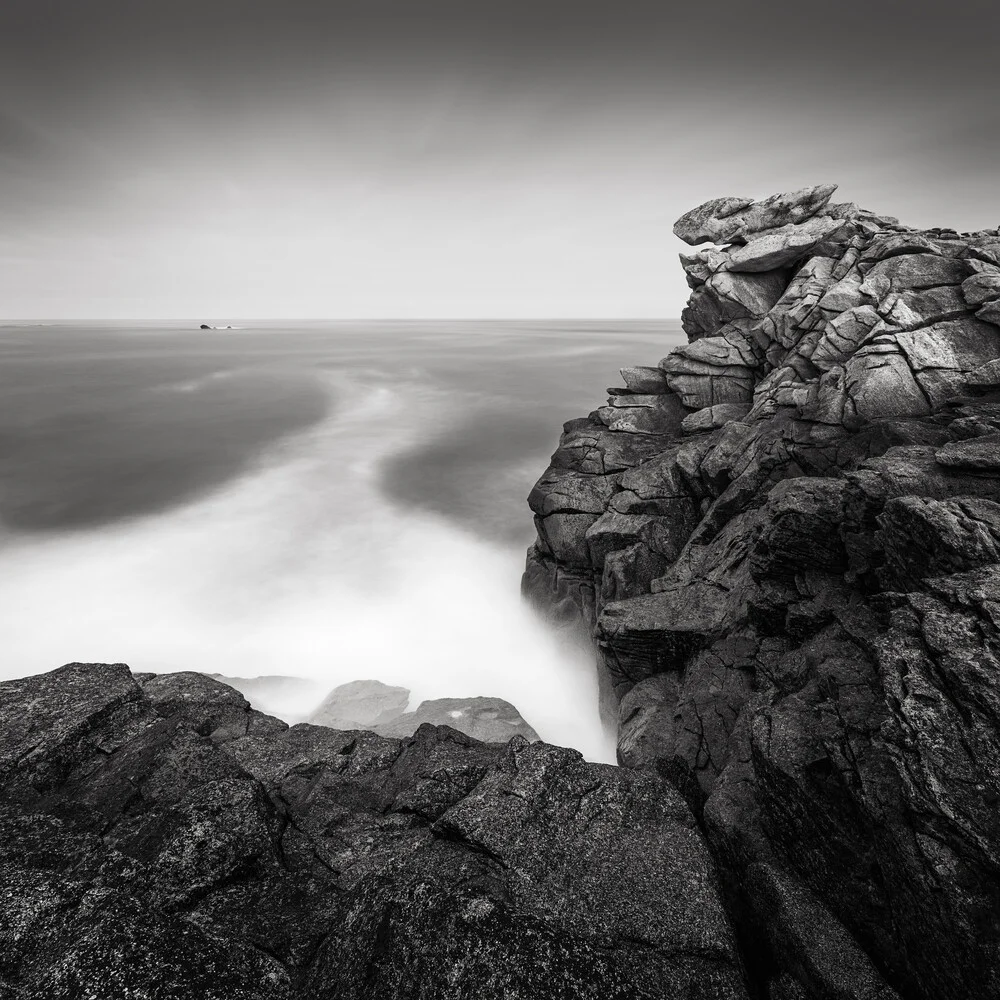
[{"x": 323, "y": 501}]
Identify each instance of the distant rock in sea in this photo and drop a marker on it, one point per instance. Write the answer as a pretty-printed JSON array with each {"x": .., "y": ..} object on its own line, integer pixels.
[
  {"x": 491, "y": 720},
  {"x": 381, "y": 708},
  {"x": 361, "y": 705},
  {"x": 205, "y": 326}
]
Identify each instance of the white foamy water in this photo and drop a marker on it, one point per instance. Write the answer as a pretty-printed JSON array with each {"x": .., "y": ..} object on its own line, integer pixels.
[{"x": 301, "y": 567}]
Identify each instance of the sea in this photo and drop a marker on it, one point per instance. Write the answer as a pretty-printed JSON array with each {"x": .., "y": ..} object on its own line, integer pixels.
[{"x": 304, "y": 502}]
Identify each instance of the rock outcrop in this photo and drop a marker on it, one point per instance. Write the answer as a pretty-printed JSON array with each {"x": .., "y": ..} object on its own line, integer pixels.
[
  {"x": 361, "y": 705},
  {"x": 784, "y": 539},
  {"x": 491, "y": 720},
  {"x": 381, "y": 708},
  {"x": 161, "y": 839}
]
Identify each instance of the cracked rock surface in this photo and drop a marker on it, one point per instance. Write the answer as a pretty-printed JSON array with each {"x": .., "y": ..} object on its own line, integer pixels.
[
  {"x": 163, "y": 840},
  {"x": 790, "y": 567}
]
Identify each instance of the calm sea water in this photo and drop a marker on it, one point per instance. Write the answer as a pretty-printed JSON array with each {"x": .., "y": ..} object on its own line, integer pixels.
[{"x": 326, "y": 501}]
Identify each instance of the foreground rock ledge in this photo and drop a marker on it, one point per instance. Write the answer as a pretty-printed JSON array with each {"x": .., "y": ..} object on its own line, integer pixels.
[
  {"x": 162, "y": 839},
  {"x": 784, "y": 538}
]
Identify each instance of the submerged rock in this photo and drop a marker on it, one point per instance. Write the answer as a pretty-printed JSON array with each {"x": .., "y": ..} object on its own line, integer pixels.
[{"x": 813, "y": 658}]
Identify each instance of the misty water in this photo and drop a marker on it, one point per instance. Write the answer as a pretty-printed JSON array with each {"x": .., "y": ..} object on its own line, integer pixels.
[{"x": 319, "y": 502}]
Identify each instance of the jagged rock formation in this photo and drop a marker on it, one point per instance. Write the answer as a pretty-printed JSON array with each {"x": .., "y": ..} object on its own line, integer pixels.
[
  {"x": 165, "y": 840},
  {"x": 784, "y": 539},
  {"x": 381, "y": 708}
]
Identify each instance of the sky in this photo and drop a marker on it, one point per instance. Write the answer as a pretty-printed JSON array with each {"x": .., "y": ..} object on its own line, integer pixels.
[{"x": 225, "y": 159}]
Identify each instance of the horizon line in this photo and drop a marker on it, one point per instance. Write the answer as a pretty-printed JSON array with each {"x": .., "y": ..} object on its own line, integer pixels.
[{"x": 49, "y": 320}]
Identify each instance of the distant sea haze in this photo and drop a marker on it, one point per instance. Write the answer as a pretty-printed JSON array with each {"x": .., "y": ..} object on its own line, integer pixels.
[{"x": 324, "y": 500}]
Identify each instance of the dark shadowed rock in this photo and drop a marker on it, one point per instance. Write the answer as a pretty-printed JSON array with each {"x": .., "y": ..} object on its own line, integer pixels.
[
  {"x": 824, "y": 958},
  {"x": 210, "y": 707},
  {"x": 147, "y": 856},
  {"x": 496, "y": 905}
]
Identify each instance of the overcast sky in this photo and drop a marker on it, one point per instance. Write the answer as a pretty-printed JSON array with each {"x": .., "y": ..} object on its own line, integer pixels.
[{"x": 235, "y": 158}]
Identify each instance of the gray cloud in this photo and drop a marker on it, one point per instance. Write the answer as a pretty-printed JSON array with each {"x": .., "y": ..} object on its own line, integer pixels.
[{"x": 425, "y": 158}]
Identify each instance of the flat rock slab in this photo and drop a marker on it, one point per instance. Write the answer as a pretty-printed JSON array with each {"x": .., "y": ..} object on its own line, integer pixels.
[
  {"x": 656, "y": 633},
  {"x": 534, "y": 847},
  {"x": 783, "y": 246},
  {"x": 976, "y": 456}
]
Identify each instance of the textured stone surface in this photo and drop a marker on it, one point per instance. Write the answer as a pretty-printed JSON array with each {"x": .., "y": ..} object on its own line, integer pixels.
[
  {"x": 726, "y": 220},
  {"x": 782, "y": 247},
  {"x": 813, "y": 659},
  {"x": 148, "y": 854},
  {"x": 360, "y": 705}
]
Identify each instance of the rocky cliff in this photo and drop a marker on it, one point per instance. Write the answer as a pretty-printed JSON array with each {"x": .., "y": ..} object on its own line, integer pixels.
[{"x": 784, "y": 538}]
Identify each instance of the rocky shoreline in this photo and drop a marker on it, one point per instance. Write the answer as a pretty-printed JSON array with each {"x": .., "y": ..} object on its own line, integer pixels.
[
  {"x": 165, "y": 840},
  {"x": 784, "y": 542}
]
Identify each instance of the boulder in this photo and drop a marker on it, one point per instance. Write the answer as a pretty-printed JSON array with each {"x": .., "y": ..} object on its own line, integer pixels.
[
  {"x": 730, "y": 220},
  {"x": 924, "y": 538},
  {"x": 491, "y": 720},
  {"x": 812, "y": 660},
  {"x": 144, "y": 859},
  {"x": 711, "y": 417},
  {"x": 783, "y": 246},
  {"x": 361, "y": 705},
  {"x": 210, "y": 707},
  {"x": 644, "y": 380},
  {"x": 979, "y": 456}
]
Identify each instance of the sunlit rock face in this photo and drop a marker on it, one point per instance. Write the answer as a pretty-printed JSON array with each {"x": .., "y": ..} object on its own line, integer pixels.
[{"x": 784, "y": 539}]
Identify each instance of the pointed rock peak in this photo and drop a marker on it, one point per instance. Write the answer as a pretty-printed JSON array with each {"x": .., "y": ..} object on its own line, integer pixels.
[{"x": 729, "y": 220}]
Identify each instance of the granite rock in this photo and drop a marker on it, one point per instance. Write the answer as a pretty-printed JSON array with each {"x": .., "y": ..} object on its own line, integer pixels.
[
  {"x": 812, "y": 661},
  {"x": 726, "y": 220},
  {"x": 146, "y": 857},
  {"x": 361, "y": 704}
]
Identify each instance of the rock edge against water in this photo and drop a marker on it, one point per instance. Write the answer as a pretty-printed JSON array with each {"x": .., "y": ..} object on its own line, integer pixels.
[
  {"x": 381, "y": 708},
  {"x": 784, "y": 539},
  {"x": 164, "y": 839}
]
